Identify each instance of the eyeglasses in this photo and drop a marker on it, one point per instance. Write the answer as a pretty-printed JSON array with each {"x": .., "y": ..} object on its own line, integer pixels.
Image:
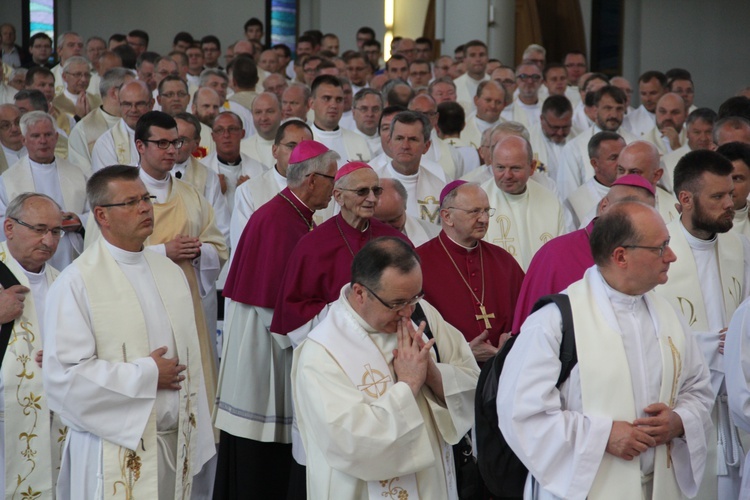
[
  {"x": 368, "y": 109},
  {"x": 396, "y": 306},
  {"x": 330, "y": 177},
  {"x": 79, "y": 75},
  {"x": 506, "y": 81},
  {"x": 164, "y": 143},
  {"x": 41, "y": 230},
  {"x": 6, "y": 125},
  {"x": 476, "y": 212},
  {"x": 659, "y": 249},
  {"x": 557, "y": 128},
  {"x": 138, "y": 105},
  {"x": 170, "y": 95},
  {"x": 364, "y": 191},
  {"x": 230, "y": 130},
  {"x": 524, "y": 77},
  {"x": 148, "y": 200}
]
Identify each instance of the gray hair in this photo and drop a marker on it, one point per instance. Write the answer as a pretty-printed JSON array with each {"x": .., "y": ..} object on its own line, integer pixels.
[
  {"x": 296, "y": 172},
  {"x": 362, "y": 93},
  {"x": 17, "y": 71},
  {"x": 212, "y": 72},
  {"x": 534, "y": 48},
  {"x": 114, "y": 78},
  {"x": 14, "y": 210},
  {"x": 32, "y": 118},
  {"x": 97, "y": 187},
  {"x": 35, "y": 97},
  {"x": 61, "y": 38},
  {"x": 297, "y": 85},
  {"x": 76, "y": 60},
  {"x": 513, "y": 128},
  {"x": 397, "y": 186}
]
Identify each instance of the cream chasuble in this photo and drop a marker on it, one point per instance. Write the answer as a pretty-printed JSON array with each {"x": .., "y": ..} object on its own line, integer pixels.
[
  {"x": 607, "y": 390},
  {"x": 116, "y": 146},
  {"x": 258, "y": 149},
  {"x": 249, "y": 197},
  {"x": 423, "y": 189},
  {"x": 523, "y": 223},
  {"x": 32, "y": 446},
  {"x": 84, "y": 136},
  {"x": 121, "y": 336},
  {"x": 741, "y": 222}
]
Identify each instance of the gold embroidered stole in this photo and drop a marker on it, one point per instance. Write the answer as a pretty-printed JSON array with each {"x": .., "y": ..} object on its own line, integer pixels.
[
  {"x": 30, "y": 446},
  {"x": 95, "y": 125},
  {"x": 170, "y": 219},
  {"x": 363, "y": 363},
  {"x": 683, "y": 288},
  {"x": 72, "y": 183},
  {"x": 429, "y": 187},
  {"x": 521, "y": 226},
  {"x": 121, "y": 143},
  {"x": 196, "y": 174},
  {"x": 121, "y": 336},
  {"x": 606, "y": 385}
]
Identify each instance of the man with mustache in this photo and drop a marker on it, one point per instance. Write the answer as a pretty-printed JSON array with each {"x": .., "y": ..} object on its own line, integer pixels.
[
  {"x": 669, "y": 134},
  {"x": 574, "y": 168},
  {"x": 706, "y": 284}
]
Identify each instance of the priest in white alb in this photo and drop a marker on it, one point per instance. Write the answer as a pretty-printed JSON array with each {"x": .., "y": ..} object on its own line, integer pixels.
[
  {"x": 122, "y": 359},
  {"x": 630, "y": 422},
  {"x": 739, "y": 154},
  {"x": 378, "y": 406},
  {"x": 33, "y": 228}
]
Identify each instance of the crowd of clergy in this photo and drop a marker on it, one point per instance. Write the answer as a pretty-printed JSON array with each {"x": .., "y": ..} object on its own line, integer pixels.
[{"x": 268, "y": 279}]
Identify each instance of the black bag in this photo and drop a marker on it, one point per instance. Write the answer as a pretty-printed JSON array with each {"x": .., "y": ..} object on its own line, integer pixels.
[
  {"x": 468, "y": 479},
  {"x": 503, "y": 473},
  {"x": 7, "y": 280}
]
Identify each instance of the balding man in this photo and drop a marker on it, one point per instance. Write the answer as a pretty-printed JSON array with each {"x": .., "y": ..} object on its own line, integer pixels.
[
  {"x": 731, "y": 129},
  {"x": 84, "y": 135},
  {"x": 74, "y": 100},
  {"x": 669, "y": 134},
  {"x": 69, "y": 44},
  {"x": 489, "y": 103},
  {"x": 630, "y": 418},
  {"x": 391, "y": 209},
  {"x": 206, "y": 107},
  {"x": 706, "y": 285},
  {"x": 42, "y": 172},
  {"x": 367, "y": 107},
  {"x": 117, "y": 145},
  {"x": 266, "y": 119},
  {"x": 295, "y": 102},
  {"x": 527, "y": 214},
  {"x": 642, "y": 158},
  {"x": 275, "y": 84},
  {"x": 164, "y": 67},
  {"x": 11, "y": 139}
]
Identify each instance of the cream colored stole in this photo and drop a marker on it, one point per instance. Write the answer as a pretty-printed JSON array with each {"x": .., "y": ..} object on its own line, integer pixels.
[
  {"x": 428, "y": 190},
  {"x": 683, "y": 289},
  {"x": 196, "y": 174},
  {"x": 741, "y": 223},
  {"x": 606, "y": 388},
  {"x": 95, "y": 126},
  {"x": 32, "y": 450},
  {"x": 665, "y": 204},
  {"x": 122, "y": 144},
  {"x": 61, "y": 120},
  {"x": 172, "y": 218},
  {"x": 121, "y": 336},
  {"x": 356, "y": 147},
  {"x": 72, "y": 183},
  {"x": 521, "y": 226},
  {"x": 364, "y": 364}
]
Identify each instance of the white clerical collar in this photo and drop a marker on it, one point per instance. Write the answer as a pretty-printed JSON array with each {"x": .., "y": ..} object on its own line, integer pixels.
[
  {"x": 616, "y": 297},
  {"x": 402, "y": 177},
  {"x": 72, "y": 97},
  {"x": 529, "y": 106},
  {"x": 46, "y": 166},
  {"x": 741, "y": 214},
  {"x": 327, "y": 134},
  {"x": 124, "y": 256},
  {"x": 35, "y": 278},
  {"x": 483, "y": 125},
  {"x": 697, "y": 243},
  {"x": 468, "y": 249},
  {"x": 517, "y": 198},
  {"x": 279, "y": 178},
  {"x": 16, "y": 155},
  {"x": 151, "y": 181},
  {"x": 346, "y": 290},
  {"x": 648, "y": 113},
  {"x": 303, "y": 203}
]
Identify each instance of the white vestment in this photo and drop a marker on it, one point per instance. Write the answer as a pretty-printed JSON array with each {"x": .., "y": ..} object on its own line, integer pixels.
[
  {"x": 350, "y": 146},
  {"x": 581, "y": 122},
  {"x": 84, "y": 135},
  {"x": 741, "y": 222},
  {"x": 373, "y": 142},
  {"x": 546, "y": 151},
  {"x": 584, "y": 200},
  {"x": 114, "y": 403},
  {"x": 423, "y": 190},
  {"x": 575, "y": 165},
  {"x": 115, "y": 147},
  {"x": 419, "y": 231},
  {"x": 706, "y": 284},
  {"x": 655, "y": 137},
  {"x": 562, "y": 443},
  {"x": 466, "y": 90},
  {"x": 737, "y": 370},
  {"x": 526, "y": 114},
  {"x": 523, "y": 222},
  {"x": 259, "y": 149},
  {"x": 377, "y": 431},
  {"x": 61, "y": 181},
  {"x": 639, "y": 121},
  {"x": 380, "y": 162},
  {"x": 247, "y": 166},
  {"x": 441, "y": 153},
  {"x": 206, "y": 182},
  {"x": 249, "y": 197},
  {"x": 472, "y": 132},
  {"x": 669, "y": 162},
  {"x": 27, "y": 463}
]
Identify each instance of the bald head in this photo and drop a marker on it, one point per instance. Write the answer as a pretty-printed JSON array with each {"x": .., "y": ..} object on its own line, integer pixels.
[
  {"x": 391, "y": 207},
  {"x": 620, "y": 193},
  {"x": 206, "y": 105},
  {"x": 670, "y": 112},
  {"x": 731, "y": 129},
  {"x": 243, "y": 47},
  {"x": 640, "y": 158}
]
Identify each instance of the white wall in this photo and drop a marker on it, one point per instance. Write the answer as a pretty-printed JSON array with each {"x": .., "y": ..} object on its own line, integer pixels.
[{"x": 345, "y": 17}]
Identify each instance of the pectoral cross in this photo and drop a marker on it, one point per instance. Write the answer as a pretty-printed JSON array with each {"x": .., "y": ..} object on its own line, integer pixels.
[{"x": 484, "y": 316}]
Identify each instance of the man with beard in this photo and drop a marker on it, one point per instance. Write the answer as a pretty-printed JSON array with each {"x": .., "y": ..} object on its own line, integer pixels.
[
  {"x": 669, "y": 134},
  {"x": 551, "y": 134},
  {"x": 707, "y": 283},
  {"x": 574, "y": 170},
  {"x": 528, "y": 106},
  {"x": 206, "y": 107}
]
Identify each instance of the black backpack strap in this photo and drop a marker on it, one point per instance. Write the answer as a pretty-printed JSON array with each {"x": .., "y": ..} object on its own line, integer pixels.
[
  {"x": 418, "y": 316},
  {"x": 7, "y": 280},
  {"x": 568, "y": 352}
]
